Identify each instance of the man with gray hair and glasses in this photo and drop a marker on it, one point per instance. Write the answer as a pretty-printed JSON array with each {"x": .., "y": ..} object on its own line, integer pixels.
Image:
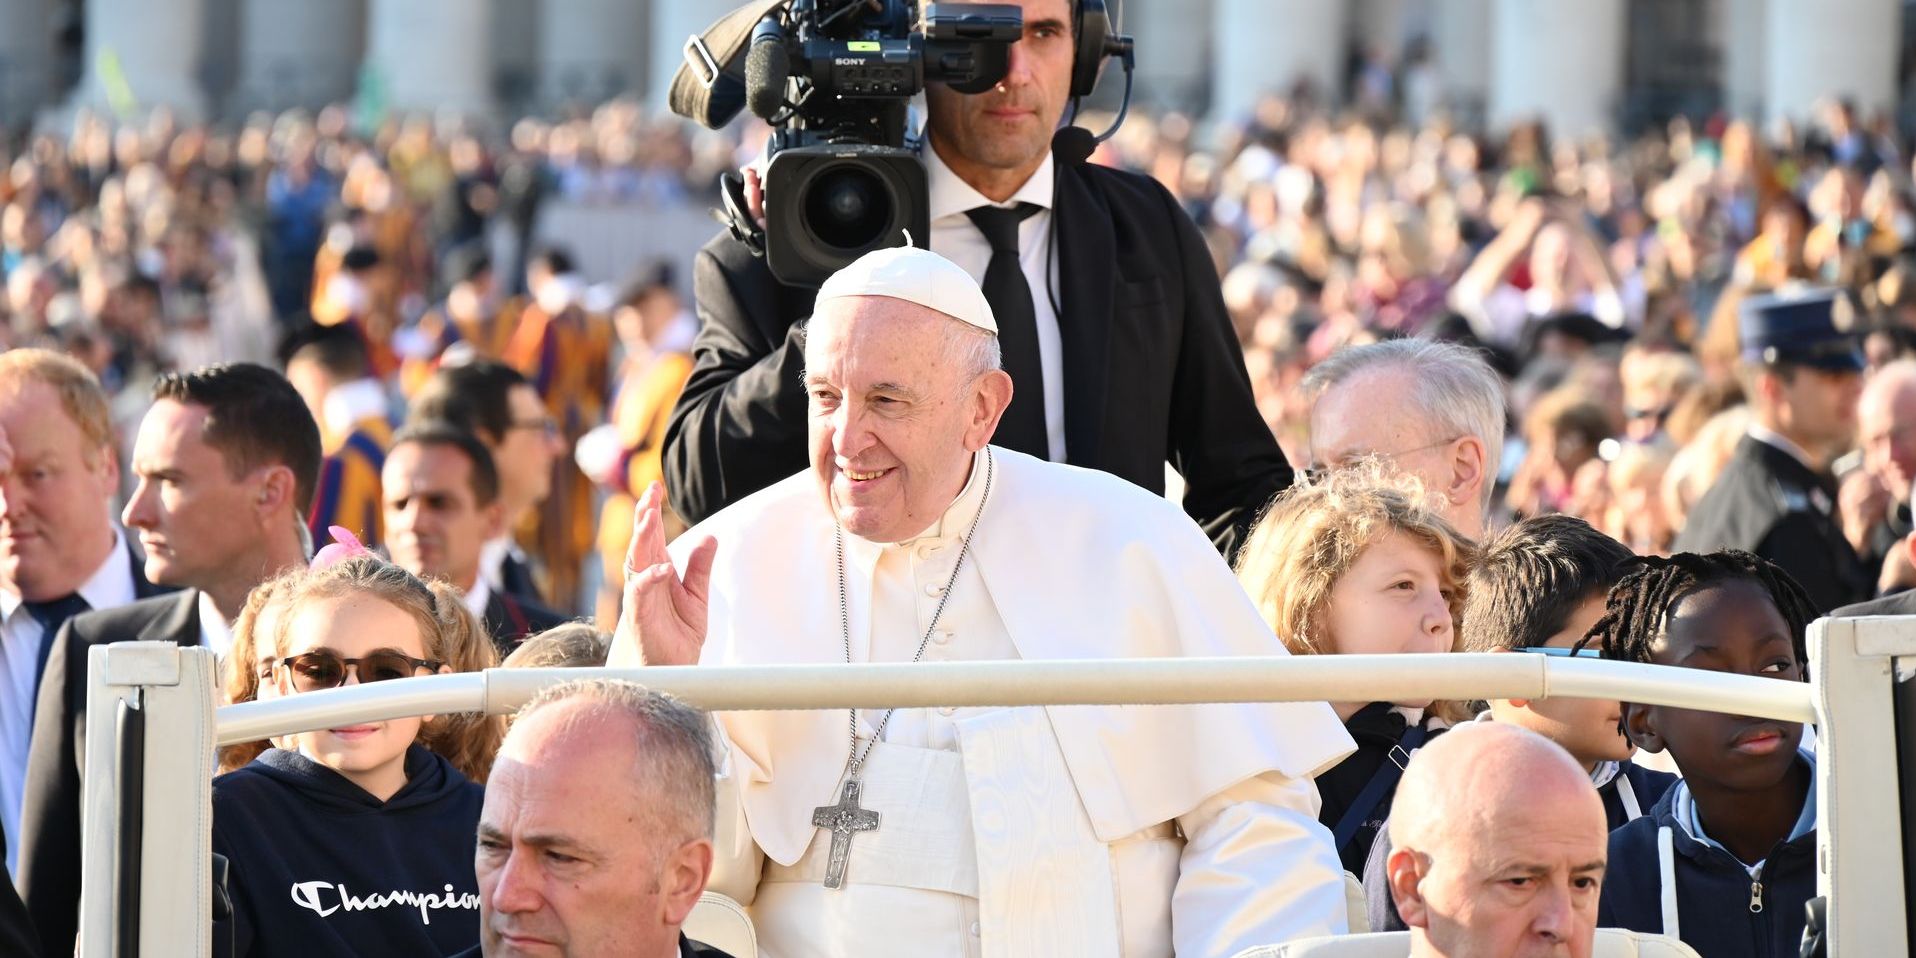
[
  {"x": 1430, "y": 409},
  {"x": 596, "y": 836}
]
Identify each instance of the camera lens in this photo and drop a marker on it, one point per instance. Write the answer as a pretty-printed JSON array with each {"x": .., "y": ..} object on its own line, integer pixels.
[{"x": 848, "y": 207}]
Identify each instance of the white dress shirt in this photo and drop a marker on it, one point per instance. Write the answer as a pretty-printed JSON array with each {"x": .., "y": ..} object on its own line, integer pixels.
[
  {"x": 110, "y": 585},
  {"x": 956, "y": 238},
  {"x": 477, "y": 598},
  {"x": 215, "y": 632}
]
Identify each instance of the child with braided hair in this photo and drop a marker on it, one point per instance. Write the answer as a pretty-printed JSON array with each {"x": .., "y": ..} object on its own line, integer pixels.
[{"x": 1726, "y": 860}]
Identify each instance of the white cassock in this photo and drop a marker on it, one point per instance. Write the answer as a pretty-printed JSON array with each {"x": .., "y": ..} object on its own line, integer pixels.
[{"x": 1054, "y": 831}]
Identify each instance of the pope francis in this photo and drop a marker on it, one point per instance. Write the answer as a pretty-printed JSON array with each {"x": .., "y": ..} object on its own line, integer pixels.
[{"x": 1080, "y": 830}]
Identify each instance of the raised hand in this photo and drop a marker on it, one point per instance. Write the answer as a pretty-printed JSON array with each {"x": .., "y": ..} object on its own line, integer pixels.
[{"x": 662, "y": 616}]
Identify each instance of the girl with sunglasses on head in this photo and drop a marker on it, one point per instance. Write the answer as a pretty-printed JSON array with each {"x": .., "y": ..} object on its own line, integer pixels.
[{"x": 358, "y": 839}]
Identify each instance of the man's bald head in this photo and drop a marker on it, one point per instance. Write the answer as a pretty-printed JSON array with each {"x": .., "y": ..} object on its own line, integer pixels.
[
  {"x": 595, "y": 838},
  {"x": 1886, "y": 424},
  {"x": 1498, "y": 846}
]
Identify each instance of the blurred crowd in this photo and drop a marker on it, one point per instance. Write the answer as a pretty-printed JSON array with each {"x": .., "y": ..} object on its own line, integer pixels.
[{"x": 1602, "y": 275}]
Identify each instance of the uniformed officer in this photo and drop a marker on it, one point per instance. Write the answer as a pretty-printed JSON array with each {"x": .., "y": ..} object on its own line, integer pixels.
[{"x": 1802, "y": 370}]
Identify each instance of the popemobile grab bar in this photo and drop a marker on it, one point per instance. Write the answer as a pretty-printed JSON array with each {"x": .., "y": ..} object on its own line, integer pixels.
[
  {"x": 1862, "y": 696},
  {"x": 1367, "y": 678}
]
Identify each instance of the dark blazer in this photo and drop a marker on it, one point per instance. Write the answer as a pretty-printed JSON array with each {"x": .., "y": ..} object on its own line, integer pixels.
[
  {"x": 515, "y": 576},
  {"x": 16, "y": 929},
  {"x": 50, "y": 818},
  {"x": 1152, "y": 368},
  {"x": 510, "y": 619},
  {"x": 1902, "y": 603},
  {"x": 1767, "y": 502}
]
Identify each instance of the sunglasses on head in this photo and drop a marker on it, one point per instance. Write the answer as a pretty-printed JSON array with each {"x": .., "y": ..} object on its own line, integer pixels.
[{"x": 323, "y": 669}]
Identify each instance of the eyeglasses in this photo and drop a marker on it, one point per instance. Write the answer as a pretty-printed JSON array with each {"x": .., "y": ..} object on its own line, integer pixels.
[
  {"x": 321, "y": 669},
  {"x": 1316, "y": 473},
  {"x": 545, "y": 424},
  {"x": 1564, "y": 653}
]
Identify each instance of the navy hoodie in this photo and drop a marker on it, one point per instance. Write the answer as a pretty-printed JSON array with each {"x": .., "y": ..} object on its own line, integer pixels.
[
  {"x": 1724, "y": 909},
  {"x": 1378, "y": 728},
  {"x": 320, "y": 867}
]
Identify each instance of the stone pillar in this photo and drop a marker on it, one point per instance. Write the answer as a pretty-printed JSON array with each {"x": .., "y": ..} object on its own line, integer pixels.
[
  {"x": 1744, "y": 29},
  {"x": 1845, "y": 48},
  {"x": 297, "y": 53},
  {"x": 138, "y": 58},
  {"x": 517, "y": 26},
  {"x": 1266, "y": 46},
  {"x": 1173, "y": 58},
  {"x": 670, "y": 23},
  {"x": 1460, "y": 41},
  {"x": 1562, "y": 62},
  {"x": 430, "y": 55},
  {"x": 26, "y": 60},
  {"x": 592, "y": 50}
]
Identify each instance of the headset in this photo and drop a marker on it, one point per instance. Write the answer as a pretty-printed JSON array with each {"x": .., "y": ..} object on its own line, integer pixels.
[{"x": 1096, "y": 41}]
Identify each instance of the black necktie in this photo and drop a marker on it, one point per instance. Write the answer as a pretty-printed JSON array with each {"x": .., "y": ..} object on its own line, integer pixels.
[
  {"x": 1023, "y": 425},
  {"x": 54, "y": 613}
]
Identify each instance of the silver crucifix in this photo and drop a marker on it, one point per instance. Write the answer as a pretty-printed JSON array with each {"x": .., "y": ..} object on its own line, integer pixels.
[{"x": 844, "y": 820}]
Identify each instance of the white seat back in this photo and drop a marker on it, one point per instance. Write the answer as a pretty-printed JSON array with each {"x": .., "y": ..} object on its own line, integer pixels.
[
  {"x": 1610, "y": 943},
  {"x": 722, "y": 923}
]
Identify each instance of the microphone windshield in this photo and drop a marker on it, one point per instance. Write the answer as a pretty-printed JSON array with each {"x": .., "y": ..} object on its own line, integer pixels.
[{"x": 767, "y": 66}]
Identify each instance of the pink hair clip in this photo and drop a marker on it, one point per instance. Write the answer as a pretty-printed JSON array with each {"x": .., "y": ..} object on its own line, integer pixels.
[{"x": 344, "y": 546}]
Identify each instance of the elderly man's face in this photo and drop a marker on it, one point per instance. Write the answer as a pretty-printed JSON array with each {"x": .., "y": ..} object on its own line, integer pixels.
[
  {"x": 573, "y": 860},
  {"x": 1371, "y": 415},
  {"x": 893, "y": 420},
  {"x": 1886, "y": 426},
  {"x": 55, "y": 522},
  {"x": 1515, "y": 881}
]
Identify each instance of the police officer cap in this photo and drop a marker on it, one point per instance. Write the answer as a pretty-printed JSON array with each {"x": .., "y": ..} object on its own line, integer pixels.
[{"x": 1807, "y": 328}]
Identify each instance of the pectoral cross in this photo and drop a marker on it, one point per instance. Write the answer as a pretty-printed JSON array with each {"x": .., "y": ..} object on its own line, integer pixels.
[{"x": 844, "y": 820}]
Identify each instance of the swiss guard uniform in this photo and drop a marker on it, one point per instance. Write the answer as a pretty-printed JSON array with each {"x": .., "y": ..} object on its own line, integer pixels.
[{"x": 1771, "y": 499}]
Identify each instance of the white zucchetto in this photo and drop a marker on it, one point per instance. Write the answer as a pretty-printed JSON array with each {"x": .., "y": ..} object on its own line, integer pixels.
[{"x": 915, "y": 276}]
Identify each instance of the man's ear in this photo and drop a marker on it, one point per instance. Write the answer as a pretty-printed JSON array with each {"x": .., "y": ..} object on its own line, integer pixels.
[
  {"x": 683, "y": 879},
  {"x": 1404, "y": 869},
  {"x": 990, "y": 396},
  {"x": 1468, "y": 470},
  {"x": 1639, "y": 726},
  {"x": 275, "y": 491},
  {"x": 494, "y": 514},
  {"x": 1909, "y": 546}
]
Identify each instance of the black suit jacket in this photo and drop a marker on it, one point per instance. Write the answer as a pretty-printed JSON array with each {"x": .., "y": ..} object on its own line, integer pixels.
[
  {"x": 50, "y": 819},
  {"x": 17, "y": 936},
  {"x": 1152, "y": 368},
  {"x": 510, "y": 619},
  {"x": 1767, "y": 502},
  {"x": 1901, "y": 603}
]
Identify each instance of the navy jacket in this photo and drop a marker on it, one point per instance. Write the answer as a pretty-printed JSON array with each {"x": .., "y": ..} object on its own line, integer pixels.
[
  {"x": 1378, "y": 729},
  {"x": 321, "y": 868},
  {"x": 1645, "y": 788},
  {"x": 1722, "y": 910}
]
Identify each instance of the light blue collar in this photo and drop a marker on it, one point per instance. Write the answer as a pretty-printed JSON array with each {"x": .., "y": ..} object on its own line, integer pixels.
[{"x": 1684, "y": 805}]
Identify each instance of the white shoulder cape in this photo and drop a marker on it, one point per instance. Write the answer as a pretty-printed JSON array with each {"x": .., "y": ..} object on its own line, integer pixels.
[{"x": 1080, "y": 565}]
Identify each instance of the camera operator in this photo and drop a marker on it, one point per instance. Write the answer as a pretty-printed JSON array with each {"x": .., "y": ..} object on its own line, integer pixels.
[{"x": 1114, "y": 328}]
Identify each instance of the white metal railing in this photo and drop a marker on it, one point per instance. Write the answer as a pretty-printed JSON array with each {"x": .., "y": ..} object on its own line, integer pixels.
[
  {"x": 1366, "y": 678},
  {"x": 1854, "y": 667}
]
